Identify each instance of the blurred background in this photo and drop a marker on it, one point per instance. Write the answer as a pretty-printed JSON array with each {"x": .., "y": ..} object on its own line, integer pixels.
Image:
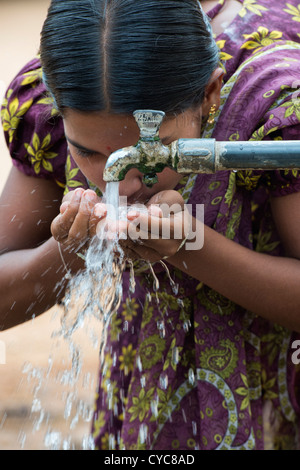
[
  {"x": 20, "y": 25},
  {"x": 32, "y": 400}
]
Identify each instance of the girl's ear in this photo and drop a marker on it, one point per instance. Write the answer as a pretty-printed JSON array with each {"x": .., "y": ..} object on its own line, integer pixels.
[{"x": 213, "y": 91}]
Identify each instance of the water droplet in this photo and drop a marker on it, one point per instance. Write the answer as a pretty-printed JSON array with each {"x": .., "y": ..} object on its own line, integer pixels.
[
  {"x": 26, "y": 368},
  {"x": 155, "y": 279},
  {"x": 52, "y": 440},
  {"x": 87, "y": 379},
  {"x": 132, "y": 277},
  {"x": 175, "y": 287},
  {"x": 36, "y": 405},
  {"x": 3, "y": 420},
  {"x": 161, "y": 328},
  {"x": 22, "y": 439},
  {"x": 143, "y": 432},
  {"x": 139, "y": 363},
  {"x": 175, "y": 355},
  {"x": 191, "y": 377},
  {"x": 194, "y": 426},
  {"x": 143, "y": 381},
  {"x": 66, "y": 445},
  {"x": 111, "y": 442},
  {"x": 38, "y": 421},
  {"x": 69, "y": 405},
  {"x": 154, "y": 408},
  {"x": 114, "y": 359},
  {"x": 88, "y": 443},
  {"x": 163, "y": 381}
]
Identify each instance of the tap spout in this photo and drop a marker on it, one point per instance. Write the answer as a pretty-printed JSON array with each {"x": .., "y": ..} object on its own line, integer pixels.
[
  {"x": 120, "y": 162},
  {"x": 149, "y": 155}
]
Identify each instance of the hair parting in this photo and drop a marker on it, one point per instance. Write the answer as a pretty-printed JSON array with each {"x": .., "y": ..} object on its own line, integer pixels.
[{"x": 121, "y": 55}]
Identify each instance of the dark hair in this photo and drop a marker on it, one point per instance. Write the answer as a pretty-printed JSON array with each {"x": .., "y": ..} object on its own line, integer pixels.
[{"x": 123, "y": 55}]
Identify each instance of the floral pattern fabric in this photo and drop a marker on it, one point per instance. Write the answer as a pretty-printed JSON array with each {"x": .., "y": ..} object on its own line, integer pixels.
[
  {"x": 35, "y": 140},
  {"x": 187, "y": 368}
]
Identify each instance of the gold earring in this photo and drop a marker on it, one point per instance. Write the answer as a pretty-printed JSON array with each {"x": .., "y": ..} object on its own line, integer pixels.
[{"x": 212, "y": 112}]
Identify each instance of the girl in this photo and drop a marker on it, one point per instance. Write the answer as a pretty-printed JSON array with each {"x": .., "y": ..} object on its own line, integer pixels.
[{"x": 196, "y": 369}]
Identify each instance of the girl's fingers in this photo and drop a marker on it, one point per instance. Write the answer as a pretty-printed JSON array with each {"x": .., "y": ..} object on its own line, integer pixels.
[
  {"x": 135, "y": 251},
  {"x": 167, "y": 198},
  {"x": 166, "y": 228},
  {"x": 62, "y": 224},
  {"x": 81, "y": 212},
  {"x": 162, "y": 236},
  {"x": 153, "y": 210},
  {"x": 80, "y": 226},
  {"x": 100, "y": 210},
  {"x": 72, "y": 195},
  {"x": 98, "y": 214},
  {"x": 128, "y": 251},
  {"x": 58, "y": 230},
  {"x": 74, "y": 222},
  {"x": 146, "y": 253},
  {"x": 64, "y": 207}
]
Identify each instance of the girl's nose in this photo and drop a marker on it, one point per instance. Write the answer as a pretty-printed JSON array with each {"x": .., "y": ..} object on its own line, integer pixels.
[{"x": 132, "y": 183}]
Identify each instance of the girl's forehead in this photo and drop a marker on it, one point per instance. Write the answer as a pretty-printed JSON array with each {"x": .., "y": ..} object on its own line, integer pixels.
[
  {"x": 99, "y": 126},
  {"x": 115, "y": 123},
  {"x": 105, "y": 133}
]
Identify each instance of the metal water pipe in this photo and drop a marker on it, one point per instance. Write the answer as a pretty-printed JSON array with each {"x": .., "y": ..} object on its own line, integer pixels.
[{"x": 186, "y": 156}]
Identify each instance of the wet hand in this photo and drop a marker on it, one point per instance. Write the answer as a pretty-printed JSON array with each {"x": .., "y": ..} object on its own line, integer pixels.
[
  {"x": 158, "y": 233},
  {"x": 77, "y": 223}
]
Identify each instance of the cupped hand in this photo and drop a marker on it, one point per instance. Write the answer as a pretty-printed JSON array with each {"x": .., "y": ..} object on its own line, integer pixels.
[
  {"x": 76, "y": 223},
  {"x": 159, "y": 232},
  {"x": 152, "y": 234}
]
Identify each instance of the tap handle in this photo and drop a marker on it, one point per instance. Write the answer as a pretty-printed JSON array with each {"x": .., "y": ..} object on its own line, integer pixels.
[{"x": 149, "y": 122}]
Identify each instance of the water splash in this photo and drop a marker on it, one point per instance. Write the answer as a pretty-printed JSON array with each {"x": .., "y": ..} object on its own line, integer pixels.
[
  {"x": 143, "y": 433},
  {"x": 91, "y": 298},
  {"x": 163, "y": 381},
  {"x": 94, "y": 295}
]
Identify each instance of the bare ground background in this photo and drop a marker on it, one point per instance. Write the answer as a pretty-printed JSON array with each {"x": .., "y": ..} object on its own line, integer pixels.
[{"x": 30, "y": 349}]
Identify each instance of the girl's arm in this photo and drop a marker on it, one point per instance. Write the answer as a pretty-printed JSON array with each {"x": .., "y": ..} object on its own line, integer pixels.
[
  {"x": 266, "y": 285},
  {"x": 31, "y": 269}
]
